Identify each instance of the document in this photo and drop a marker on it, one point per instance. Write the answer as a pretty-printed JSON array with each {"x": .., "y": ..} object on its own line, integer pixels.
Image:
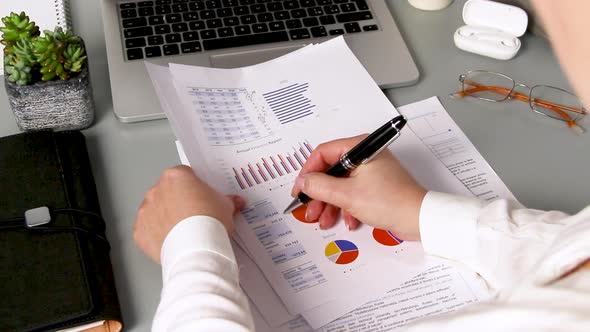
[
  {"x": 248, "y": 131},
  {"x": 447, "y": 142},
  {"x": 437, "y": 130},
  {"x": 271, "y": 315},
  {"x": 251, "y": 129},
  {"x": 438, "y": 290},
  {"x": 441, "y": 289}
]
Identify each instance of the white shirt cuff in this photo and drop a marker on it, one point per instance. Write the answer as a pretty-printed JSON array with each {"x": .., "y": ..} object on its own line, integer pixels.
[
  {"x": 448, "y": 225},
  {"x": 197, "y": 233}
]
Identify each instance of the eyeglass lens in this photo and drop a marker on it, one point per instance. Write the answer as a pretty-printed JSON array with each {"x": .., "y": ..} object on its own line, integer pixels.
[
  {"x": 487, "y": 86},
  {"x": 554, "y": 102}
]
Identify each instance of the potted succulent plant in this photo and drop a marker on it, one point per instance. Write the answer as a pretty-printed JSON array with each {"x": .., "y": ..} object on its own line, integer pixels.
[{"x": 46, "y": 76}]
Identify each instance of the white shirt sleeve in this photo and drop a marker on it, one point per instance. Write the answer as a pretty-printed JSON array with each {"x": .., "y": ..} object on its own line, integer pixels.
[
  {"x": 499, "y": 240},
  {"x": 201, "y": 290}
]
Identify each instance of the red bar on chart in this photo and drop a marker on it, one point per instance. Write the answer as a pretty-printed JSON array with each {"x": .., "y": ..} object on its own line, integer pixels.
[
  {"x": 274, "y": 162},
  {"x": 303, "y": 153},
  {"x": 240, "y": 183},
  {"x": 253, "y": 173},
  {"x": 261, "y": 171},
  {"x": 308, "y": 146},
  {"x": 290, "y": 159},
  {"x": 268, "y": 169},
  {"x": 299, "y": 159},
  {"x": 246, "y": 178},
  {"x": 284, "y": 164}
]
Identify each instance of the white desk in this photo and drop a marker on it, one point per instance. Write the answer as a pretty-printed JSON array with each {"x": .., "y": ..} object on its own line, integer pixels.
[{"x": 544, "y": 164}]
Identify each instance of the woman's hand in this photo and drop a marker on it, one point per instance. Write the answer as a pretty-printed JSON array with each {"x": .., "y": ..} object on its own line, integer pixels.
[
  {"x": 380, "y": 193},
  {"x": 179, "y": 194}
]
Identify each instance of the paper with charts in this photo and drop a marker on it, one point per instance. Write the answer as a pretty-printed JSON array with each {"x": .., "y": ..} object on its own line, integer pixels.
[
  {"x": 255, "y": 127},
  {"x": 451, "y": 286},
  {"x": 438, "y": 289}
]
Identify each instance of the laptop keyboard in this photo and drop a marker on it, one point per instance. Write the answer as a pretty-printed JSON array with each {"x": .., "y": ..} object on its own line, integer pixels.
[{"x": 171, "y": 27}]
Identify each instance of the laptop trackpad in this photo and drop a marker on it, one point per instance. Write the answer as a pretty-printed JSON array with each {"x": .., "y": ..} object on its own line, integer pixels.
[{"x": 248, "y": 58}]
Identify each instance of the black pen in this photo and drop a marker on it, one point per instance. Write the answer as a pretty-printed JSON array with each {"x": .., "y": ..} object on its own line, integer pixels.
[{"x": 362, "y": 153}]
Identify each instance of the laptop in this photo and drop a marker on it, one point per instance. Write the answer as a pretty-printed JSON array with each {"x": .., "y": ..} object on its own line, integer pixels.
[{"x": 235, "y": 33}]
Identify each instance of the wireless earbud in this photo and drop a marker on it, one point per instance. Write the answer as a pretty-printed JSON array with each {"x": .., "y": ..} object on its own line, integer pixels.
[
  {"x": 468, "y": 30},
  {"x": 510, "y": 42},
  {"x": 487, "y": 42}
]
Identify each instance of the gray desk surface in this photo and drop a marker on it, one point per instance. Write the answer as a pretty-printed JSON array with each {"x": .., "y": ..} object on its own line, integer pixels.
[{"x": 544, "y": 164}]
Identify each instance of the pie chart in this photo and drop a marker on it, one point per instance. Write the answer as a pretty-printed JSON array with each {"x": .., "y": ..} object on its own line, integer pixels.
[
  {"x": 299, "y": 214},
  {"x": 341, "y": 252},
  {"x": 386, "y": 238}
]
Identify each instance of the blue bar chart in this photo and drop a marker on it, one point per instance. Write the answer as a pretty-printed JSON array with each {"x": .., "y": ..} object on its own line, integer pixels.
[
  {"x": 272, "y": 167},
  {"x": 290, "y": 103}
]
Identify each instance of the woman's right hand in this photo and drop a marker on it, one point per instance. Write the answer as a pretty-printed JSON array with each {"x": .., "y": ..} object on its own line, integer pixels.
[{"x": 380, "y": 193}]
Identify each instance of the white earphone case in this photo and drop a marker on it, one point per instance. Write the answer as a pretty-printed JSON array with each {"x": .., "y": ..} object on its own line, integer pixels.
[{"x": 492, "y": 29}]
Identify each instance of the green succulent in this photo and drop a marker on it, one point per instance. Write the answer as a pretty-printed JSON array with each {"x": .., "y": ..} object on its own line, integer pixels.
[
  {"x": 17, "y": 27},
  {"x": 28, "y": 56},
  {"x": 75, "y": 58},
  {"x": 17, "y": 71},
  {"x": 59, "y": 53},
  {"x": 62, "y": 36},
  {"x": 23, "y": 50}
]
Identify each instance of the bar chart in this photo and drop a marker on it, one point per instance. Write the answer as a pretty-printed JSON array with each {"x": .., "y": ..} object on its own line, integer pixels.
[
  {"x": 272, "y": 167},
  {"x": 290, "y": 103},
  {"x": 225, "y": 118}
]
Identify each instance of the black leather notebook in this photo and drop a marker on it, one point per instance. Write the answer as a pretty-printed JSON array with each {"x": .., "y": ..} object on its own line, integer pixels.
[{"x": 55, "y": 269}]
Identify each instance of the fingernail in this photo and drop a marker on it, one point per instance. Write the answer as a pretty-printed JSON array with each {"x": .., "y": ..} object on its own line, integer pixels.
[
  {"x": 307, "y": 214},
  {"x": 299, "y": 183},
  {"x": 347, "y": 225}
]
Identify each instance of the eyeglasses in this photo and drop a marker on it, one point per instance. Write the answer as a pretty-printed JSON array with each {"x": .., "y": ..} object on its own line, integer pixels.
[{"x": 545, "y": 100}]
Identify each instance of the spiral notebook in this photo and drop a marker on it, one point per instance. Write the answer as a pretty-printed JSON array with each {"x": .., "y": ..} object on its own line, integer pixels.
[{"x": 46, "y": 13}]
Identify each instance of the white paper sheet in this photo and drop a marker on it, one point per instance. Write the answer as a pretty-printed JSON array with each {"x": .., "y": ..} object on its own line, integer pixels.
[
  {"x": 430, "y": 121},
  {"x": 437, "y": 130},
  {"x": 231, "y": 123},
  {"x": 439, "y": 290},
  {"x": 236, "y": 127},
  {"x": 439, "y": 121},
  {"x": 271, "y": 315}
]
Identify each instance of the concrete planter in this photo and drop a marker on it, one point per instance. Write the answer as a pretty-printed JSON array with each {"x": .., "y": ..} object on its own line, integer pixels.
[{"x": 57, "y": 105}]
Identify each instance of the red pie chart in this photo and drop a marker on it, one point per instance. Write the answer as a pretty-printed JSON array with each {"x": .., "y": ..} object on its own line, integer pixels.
[
  {"x": 386, "y": 238},
  {"x": 299, "y": 214}
]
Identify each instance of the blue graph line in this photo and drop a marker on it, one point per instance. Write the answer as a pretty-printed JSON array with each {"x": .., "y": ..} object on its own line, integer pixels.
[{"x": 289, "y": 103}]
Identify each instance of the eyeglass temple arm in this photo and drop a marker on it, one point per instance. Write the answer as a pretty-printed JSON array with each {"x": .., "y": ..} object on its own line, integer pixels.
[{"x": 516, "y": 95}]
